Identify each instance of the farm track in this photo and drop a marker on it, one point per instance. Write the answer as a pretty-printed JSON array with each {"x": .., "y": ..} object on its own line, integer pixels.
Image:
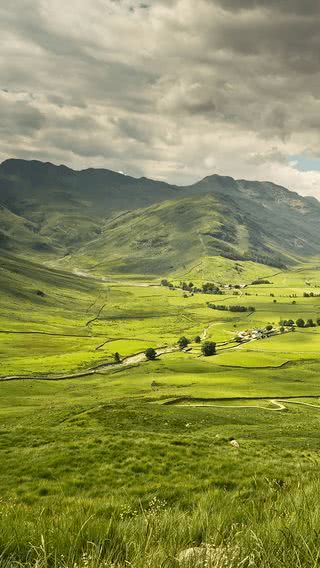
[
  {"x": 278, "y": 406},
  {"x": 278, "y": 403}
]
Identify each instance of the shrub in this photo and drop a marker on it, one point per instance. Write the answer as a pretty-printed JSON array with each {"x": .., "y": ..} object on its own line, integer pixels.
[
  {"x": 40, "y": 293},
  {"x": 150, "y": 354},
  {"x": 197, "y": 338},
  {"x": 183, "y": 342},
  {"x": 117, "y": 358}
]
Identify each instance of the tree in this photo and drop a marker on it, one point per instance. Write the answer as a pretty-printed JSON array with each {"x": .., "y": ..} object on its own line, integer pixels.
[
  {"x": 210, "y": 288},
  {"x": 208, "y": 348},
  {"x": 300, "y": 322},
  {"x": 150, "y": 354},
  {"x": 269, "y": 327},
  {"x": 197, "y": 338},
  {"x": 117, "y": 358},
  {"x": 310, "y": 323},
  {"x": 183, "y": 342},
  {"x": 165, "y": 282}
]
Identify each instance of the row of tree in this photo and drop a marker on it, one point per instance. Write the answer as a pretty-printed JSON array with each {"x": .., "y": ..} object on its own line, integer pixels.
[
  {"x": 300, "y": 323},
  {"x": 310, "y": 295},
  {"x": 260, "y": 281},
  {"x": 206, "y": 288},
  {"x": 208, "y": 348},
  {"x": 225, "y": 308}
]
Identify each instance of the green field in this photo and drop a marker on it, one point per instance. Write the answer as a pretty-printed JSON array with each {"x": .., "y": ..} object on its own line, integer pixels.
[{"x": 128, "y": 464}]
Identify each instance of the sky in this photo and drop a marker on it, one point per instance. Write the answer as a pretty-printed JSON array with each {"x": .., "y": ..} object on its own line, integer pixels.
[{"x": 168, "y": 89}]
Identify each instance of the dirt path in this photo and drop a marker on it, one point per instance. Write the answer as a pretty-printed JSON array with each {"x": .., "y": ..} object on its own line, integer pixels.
[
  {"x": 279, "y": 404},
  {"x": 205, "y": 332},
  {"x": 140, "y": 357},
  {"x": 108, "y": 280},
  {"x": 308, "y": 404},
  {"x": 101, "y": 368}
]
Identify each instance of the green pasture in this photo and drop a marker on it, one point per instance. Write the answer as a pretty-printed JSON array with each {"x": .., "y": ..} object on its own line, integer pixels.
[
  {"x": 78, "y": 323},
  {"x": 104, "y": 459}
]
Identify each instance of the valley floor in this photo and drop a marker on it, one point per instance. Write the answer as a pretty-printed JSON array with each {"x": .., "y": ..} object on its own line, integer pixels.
[{"x": 130, "y": 464}]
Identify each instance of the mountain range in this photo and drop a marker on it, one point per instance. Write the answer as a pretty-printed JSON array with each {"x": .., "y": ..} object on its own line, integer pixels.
[{"x": 108, "y": 222}]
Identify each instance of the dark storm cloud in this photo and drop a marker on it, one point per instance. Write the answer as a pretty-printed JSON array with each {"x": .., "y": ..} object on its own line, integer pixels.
[{"x": 174, "y": 89}]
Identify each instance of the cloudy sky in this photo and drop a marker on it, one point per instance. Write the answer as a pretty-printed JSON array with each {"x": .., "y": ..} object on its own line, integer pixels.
[{"x": 169, "y": 89}]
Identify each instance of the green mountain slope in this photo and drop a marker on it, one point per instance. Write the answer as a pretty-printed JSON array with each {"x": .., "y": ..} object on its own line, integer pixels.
[
  {"x": 163, "y": 237},
  {"x": 109, "y": 222},
  {"x": 65, "y": 207}
]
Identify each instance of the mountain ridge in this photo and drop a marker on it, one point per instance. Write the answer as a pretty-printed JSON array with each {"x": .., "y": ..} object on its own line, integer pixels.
[
  {"x": 52, "y": 211},
  {"x": 265, "y": 182}
]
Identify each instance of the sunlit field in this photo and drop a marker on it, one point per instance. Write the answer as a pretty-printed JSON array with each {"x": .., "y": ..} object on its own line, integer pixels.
[{"x": 129, "y": 464}]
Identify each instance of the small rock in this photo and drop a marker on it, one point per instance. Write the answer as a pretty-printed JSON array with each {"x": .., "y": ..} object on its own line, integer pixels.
[
  {"x": 208, "y": 556},
  {"x": 234, "y": 444},
  {"x": 197, "y": 556},
  {"x": 40, "y": 293}
]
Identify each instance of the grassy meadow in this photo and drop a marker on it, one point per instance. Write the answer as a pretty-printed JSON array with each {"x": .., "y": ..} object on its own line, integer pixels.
[{"x": 130, "y": 464}]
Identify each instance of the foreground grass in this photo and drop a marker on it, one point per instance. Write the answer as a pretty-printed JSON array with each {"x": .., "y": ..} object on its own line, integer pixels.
[
  {"x": 89, "y": 482},
  {"x": 278, "y": 527}
]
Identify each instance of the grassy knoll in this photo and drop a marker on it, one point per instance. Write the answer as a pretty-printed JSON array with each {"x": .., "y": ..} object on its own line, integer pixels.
[{"x": 101, "y": 470}]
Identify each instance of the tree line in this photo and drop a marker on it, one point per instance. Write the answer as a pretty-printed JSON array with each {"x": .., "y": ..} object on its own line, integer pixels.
[
  {"x": 206, "y": 288},
  {"x": 300, "y": 322},
  {"x": 225, "y": 308}
]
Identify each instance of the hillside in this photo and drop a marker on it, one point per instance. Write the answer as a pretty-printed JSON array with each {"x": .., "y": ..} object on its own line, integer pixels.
[
  {"x": 171, "y": 235},
  {"x": 110, "y": 222}
]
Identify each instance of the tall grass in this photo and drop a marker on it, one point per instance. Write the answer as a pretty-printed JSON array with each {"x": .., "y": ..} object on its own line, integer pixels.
[{"x": 277, "y": 528}]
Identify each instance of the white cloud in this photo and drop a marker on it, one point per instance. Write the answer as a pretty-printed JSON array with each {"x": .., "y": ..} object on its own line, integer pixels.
[{"x": 168, "y": 89}]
